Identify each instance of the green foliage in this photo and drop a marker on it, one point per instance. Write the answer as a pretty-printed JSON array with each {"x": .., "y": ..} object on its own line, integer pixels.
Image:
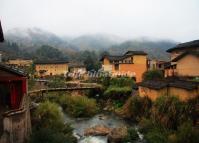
[
  {"x": 121, "y": 82},
  {"x": 117, "y": 88},
  {"x": 186, "y": 133},
  {"x": 132, "y": 136},
  {"x": 56, "y": 82},
  {"x": 46, "y": 135},
  {"x": 153, "y": 75},
  {"x": 31, "y": 83},
  {"x": 46, "y": 52},
  {"x": 145, "y": 125},
  {"x": 139, "y": 107},
  {"x": 48, "y": 115},
  {"x": 79, "y": 106},
  {"x": 190, "y": 110},
  {"x": 90, "y": 59},
  {"x": 167, "y": 111},
  {"x": 114, "y": 92},
  {"x": 156, "y": 136},
  {"x": 49, "y": 125}
]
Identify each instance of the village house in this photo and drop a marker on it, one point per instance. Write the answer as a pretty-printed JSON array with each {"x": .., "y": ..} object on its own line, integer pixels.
[
  {"x": 184, "y": 60},
  {"x": 50, "y": 68},
  {"x": 77, "y": 68},
  {"x": 15, "y": 125},
  {"x": 19, "y": 63},
  {"x": 132, "y": 64},
  {"x": 185, "y": 90},
  {"x": 154, "y": 64}
]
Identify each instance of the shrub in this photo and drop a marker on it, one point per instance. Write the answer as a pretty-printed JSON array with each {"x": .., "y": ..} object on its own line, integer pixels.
[
  {"x": 49, "y": 125},
  {"x": 121, "y": 82},
  {"x": 114, "y": 92},
  {"x": 48, "y": 115},
  {"x": 156, "y": 136},
  {"x": 145, "y": 125},
  {"x": 46, "y": 135},
  {"x": 153, "y": 75},
  {"x": 132, "y": 136},
  {"x": 140, "y": 106},
  {"x": 79, "y": 106},
  {"x": 167, "y": 111},
  {"x": 190, "y": 110},
  {"x": 56, "y": 82},
  {"x": 186, "y": 133},
  {"x": 136, "y": 107}
]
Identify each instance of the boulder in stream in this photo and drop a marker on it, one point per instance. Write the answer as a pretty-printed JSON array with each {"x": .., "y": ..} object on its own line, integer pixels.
[
  {"x": 98, "y": 130},
  {"x": 117, "y": 135}
]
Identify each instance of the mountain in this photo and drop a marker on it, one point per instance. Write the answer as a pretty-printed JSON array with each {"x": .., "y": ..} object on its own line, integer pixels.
[
  {"x": 31, "y": 39},
  {"x": 34, "y": 38},
  {"x": 95, "y": 42},
  {"x": 155, "y": 49}
]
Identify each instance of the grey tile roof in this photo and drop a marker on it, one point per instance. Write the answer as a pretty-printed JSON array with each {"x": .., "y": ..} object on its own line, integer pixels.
[
  {"x": 187, "y": 45},
  {"x": 12, "y": 70},
  {"x": 154, "y": 84},
  {"x": 125, "y": 55}
]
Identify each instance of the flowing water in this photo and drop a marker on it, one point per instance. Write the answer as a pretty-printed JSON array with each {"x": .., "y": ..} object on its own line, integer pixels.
[{"x": 107, "y": 119}]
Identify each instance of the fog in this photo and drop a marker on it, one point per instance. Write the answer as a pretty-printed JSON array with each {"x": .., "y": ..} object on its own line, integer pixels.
[{"x": 162, "y": 19}]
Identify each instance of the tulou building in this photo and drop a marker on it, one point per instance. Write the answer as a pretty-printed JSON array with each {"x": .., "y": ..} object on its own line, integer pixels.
[
  {"x": 50, "y": 68},
  {"x": 132, "y": 64},
  {"x": 184, "y": 60},
  {"x": 185, "y": 90},
  {"x": 183, "y": 66},
  {"x": 20, "y": 63}
]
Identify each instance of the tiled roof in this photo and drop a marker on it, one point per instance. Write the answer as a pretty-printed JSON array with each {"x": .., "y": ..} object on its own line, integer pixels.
[
  {"x": 12, "y": 70},
  {"x": 135, "y": 53},
  {"x": 76, "y": 65},
  {"x": 187, "y": 45},
  {"x": 153, "y": 84},
  {"x": 195, "y": 53},
  {"x": 126, "y": 55}
]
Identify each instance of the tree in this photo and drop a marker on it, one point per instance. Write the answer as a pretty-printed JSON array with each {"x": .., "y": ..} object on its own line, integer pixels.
[
  {"x": 46, "y": 52},
  {"x": 153, "y": 75}
]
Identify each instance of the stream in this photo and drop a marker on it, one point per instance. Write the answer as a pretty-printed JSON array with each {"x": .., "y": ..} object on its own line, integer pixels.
[{"x": 80, "y": 124}]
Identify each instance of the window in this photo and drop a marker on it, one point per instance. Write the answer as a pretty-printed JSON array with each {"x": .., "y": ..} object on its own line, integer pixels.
[
  {"x": 131, "y": 59},
  {"x": 116, "y": 67}
]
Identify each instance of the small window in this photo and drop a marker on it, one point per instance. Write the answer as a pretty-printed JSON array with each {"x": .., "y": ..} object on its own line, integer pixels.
[{"x": 116, "y": 67}]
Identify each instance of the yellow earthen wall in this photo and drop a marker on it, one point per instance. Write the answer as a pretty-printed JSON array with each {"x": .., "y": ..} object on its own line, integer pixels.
[
  {"x": 54, "y": 69},
  {"x": 188, "y": 66},
  {"x": 151, "y": 93},
  {"x": 139, "y": 66},
  {"x": 183, "y": 94},
  {"x": 20, "y": 62}
]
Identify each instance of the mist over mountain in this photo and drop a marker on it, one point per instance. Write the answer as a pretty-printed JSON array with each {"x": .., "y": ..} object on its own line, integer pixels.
[
  {"x": 96, "y": 41},
  {"x": 31, "y": 39},
  {"x": 155, "y": 49}
]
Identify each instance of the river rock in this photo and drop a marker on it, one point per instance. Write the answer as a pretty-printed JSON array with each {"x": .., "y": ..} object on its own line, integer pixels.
[
  {"x": 98, "y": 130},
  {"x": 117, "y": 134}
]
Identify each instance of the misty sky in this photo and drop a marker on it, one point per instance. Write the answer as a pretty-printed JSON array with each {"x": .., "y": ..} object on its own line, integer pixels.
[{"x": 163, "y": 19}]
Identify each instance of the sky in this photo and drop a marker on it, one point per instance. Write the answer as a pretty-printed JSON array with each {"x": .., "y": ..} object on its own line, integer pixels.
[{"x": 161, "y": 19}]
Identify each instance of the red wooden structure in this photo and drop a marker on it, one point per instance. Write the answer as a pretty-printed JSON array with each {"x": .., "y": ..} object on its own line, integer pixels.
[
  {"x": 13, "y": 86},
  {"x": 1, "y": 33}
]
